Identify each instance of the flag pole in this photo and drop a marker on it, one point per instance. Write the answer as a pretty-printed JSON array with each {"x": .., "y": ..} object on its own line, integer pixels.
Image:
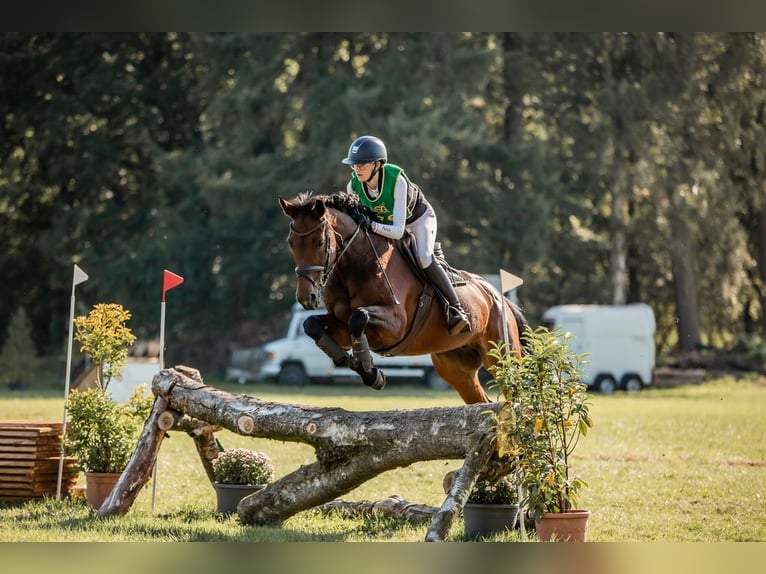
[
  {"x": 78, "y": 277},
  {"x": 509, "y": 281},
  {"x": 169, "y": 280},
  {"x": 162, "y": 366}
]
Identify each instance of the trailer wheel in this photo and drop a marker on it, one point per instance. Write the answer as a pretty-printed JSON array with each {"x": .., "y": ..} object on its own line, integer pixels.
[
  {"x": 632, "y": 383},
  {"x": 292, "y": 374},
  {"x": 605, "y": 384}
]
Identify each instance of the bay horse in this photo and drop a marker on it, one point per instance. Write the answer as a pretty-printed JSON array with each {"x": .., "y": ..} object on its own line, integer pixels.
[{"x": 375, "y": 299}]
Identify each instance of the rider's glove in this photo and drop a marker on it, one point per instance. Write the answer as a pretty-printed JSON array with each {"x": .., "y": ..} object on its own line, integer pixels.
[{"x": 364, "y": 221}]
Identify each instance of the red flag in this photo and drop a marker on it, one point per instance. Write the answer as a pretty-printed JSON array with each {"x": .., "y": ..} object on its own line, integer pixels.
[{"x": 170, "y": 280}]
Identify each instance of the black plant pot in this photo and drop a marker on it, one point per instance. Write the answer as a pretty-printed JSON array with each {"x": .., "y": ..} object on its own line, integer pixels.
[
  {"x": 229, "y": 495},
  {"x": 484, "y": 520}
]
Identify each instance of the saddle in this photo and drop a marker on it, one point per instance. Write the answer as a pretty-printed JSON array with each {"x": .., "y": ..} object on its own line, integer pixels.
[{"x": 406, "y": 247}]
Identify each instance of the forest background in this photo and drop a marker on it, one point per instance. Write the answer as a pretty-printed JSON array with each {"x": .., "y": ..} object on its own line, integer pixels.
[{"x": 600, "y": 167}]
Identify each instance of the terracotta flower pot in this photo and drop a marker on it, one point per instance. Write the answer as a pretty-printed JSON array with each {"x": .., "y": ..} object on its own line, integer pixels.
[
  {"x": 99, "y": 485},
  {"x": 563, "y": 526},
  {"x": 229, "y": 495},
  {"x": 484, "y": 520}
]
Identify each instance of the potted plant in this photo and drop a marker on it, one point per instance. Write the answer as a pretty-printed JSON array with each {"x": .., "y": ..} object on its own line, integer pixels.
[
  {"x": 544, "y": 413},
  {"x": 238, "y": 472},
  {"x": 492, "y": 508},
  {"x": 102, "y": 433}
]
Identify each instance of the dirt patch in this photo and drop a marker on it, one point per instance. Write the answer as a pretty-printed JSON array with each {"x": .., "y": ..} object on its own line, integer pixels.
[{"x": 739, "y": 461}]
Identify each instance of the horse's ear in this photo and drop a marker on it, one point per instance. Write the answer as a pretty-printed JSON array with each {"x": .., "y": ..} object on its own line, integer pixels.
[
  {"x": 319, "y": 208},
  {"x": 287, "y": 207}
]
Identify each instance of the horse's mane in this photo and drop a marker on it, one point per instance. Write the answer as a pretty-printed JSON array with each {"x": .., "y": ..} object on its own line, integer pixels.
[{"x": 343, "y": 201}]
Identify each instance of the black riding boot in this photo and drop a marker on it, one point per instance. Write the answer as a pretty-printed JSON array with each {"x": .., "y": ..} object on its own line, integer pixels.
[{"x": 457, "y": 320}]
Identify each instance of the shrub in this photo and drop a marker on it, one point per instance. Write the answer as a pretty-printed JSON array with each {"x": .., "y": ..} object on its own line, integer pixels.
[
  {"x": 502, "y": 491},
  {"x": 102, "y": 433},
  {"x": 545, "y": 412},
  {"x": 105, "y": 337},
  {"x": 243, "y": 466}
]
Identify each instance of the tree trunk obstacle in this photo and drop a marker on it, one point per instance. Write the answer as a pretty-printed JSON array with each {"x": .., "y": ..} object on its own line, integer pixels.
[{"x": 351, "y": 448}]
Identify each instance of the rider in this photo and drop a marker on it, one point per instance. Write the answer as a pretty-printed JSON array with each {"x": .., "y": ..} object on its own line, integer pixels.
[{"x": 398, "y": 204}]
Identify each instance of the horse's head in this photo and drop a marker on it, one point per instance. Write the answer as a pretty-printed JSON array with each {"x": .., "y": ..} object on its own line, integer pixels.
[
  {"x": 310, "y": 242},
  {"x": 322, "y": 229}
]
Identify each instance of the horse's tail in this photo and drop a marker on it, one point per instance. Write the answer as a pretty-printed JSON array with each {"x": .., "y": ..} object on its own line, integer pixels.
[
  {"x": 517, "y": 322},
  {"x": 520, "y": 321},
  {"x": 514, "y": 324}
]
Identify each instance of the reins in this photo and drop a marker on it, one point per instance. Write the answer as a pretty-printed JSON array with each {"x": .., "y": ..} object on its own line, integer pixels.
[
  {"x": 329, "y": 266},
  {"x": 383, "y": 271}
]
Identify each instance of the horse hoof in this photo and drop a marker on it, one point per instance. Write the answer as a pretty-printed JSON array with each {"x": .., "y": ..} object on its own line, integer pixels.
[{"x": 376, "y": 380}]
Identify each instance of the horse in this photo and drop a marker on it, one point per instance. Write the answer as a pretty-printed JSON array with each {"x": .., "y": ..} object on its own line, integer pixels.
[{"x": 376, "y": 300}]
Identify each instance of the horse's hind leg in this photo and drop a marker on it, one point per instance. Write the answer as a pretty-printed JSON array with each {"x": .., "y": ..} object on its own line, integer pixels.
[
  {"x": 460, "y": 368},
  {"x": 362, "y": 357}
]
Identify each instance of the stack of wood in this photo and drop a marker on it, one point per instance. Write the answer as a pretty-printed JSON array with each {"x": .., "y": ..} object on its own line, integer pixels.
[
  {"x": 29, "y": 461},
  {"x": 673, "y": 377}
]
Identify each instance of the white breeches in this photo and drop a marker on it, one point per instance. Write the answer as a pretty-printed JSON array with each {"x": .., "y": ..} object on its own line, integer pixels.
[{"x": 424, "y": 230}]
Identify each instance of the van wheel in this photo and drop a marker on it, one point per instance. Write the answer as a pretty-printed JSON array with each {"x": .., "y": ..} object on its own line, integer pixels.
[
  {"x": 632, "y": 384},
  {"x": 292, "y": 374},
  {"x": 605, "y": 384},
  {"x": 434, "y": 381}
]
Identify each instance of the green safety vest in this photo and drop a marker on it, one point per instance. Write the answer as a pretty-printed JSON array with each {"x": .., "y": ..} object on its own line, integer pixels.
[{"x": 383, "y": 205}]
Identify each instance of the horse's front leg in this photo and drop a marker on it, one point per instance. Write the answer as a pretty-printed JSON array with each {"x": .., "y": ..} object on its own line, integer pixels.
[
  {"x": 315, "y": 328},
  {"x": 362, "y": 356}
]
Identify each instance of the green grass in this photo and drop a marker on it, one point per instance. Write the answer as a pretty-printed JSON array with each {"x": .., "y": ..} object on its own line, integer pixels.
[{"x": 683, "y": 464}]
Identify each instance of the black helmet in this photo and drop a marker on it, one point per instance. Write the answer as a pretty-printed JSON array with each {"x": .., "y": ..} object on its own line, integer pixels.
[{"x": 366, "y": 149}]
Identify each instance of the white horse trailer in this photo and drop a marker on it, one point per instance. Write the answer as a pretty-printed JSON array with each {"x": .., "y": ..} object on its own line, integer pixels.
[{"x": 619, "y": 339}]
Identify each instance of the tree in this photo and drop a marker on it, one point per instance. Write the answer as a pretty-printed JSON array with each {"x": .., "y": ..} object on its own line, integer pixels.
[
  {"x": 19, "y": 355},
  {"x": 105, "y": 337},
  {"x": 579, "y": 161}
]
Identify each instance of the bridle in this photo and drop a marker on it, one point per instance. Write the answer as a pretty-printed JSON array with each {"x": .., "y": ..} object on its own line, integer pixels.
[{"x": 330, "y": 262}]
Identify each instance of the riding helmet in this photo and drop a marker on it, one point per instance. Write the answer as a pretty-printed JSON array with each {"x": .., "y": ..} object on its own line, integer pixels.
[{"x": 366, "y": 149}]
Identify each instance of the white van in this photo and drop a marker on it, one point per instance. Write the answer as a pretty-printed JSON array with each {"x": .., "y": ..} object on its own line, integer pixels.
[
  {"x": 295, "y": 359},
  {"x": 620, "y": 340}
]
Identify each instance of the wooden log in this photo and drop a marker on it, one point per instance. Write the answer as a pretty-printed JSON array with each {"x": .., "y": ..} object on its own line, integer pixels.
[
  {"x": 394, "y": 506},
  {"x": 351, "y": 447},
  {"x": 140, "y": 465},
  {"x": 476, "y": 460},
  {"x": 167, "y": 420},
  {"x": 204, "y": 442}
]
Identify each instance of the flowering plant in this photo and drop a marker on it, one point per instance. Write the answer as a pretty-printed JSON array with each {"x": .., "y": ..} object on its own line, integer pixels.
[
  {"x": 243, "y": 466},
  {"x": 545, "y": 412},
  {"x": 105, "y": 337},
  {"x": 500, "y": 492}
]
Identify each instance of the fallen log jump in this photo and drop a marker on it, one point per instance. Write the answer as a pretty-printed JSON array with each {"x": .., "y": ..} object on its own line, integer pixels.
[{"x": 351, "y": 447}]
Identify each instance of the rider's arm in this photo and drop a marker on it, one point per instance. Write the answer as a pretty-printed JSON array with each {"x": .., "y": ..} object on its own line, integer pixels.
[{"x": 396, "y": 229}]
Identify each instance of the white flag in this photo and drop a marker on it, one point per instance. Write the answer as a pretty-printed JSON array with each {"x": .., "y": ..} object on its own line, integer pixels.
[
  {"x": 79, "y": 276},
  {"x": 509, "y": 281}
]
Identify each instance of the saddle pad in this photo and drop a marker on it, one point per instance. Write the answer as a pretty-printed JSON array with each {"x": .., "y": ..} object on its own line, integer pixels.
[{"x": 406, "y": 246}]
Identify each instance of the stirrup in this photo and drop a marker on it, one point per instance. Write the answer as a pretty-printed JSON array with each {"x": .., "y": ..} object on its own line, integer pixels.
[{"x": 458, "y": 322}]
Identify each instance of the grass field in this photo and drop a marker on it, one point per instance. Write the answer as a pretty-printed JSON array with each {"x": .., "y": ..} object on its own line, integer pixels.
[{"x": 677, "y": 465}]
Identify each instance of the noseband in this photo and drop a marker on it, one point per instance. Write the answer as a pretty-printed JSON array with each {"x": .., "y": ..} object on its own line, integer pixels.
[{"x": 329, "y": 266}]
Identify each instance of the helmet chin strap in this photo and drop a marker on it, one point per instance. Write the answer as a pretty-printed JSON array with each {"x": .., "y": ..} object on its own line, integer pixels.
[{"x": 373, "y": 173}]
